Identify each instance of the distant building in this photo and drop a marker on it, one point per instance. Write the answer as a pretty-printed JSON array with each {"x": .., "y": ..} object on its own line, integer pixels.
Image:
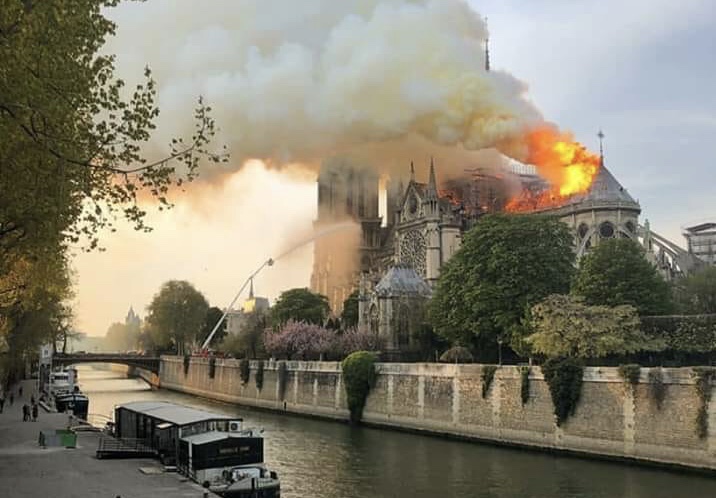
[
  {"x": 701, "y": 240},
  {"x": 132, "y": 319},
  {"x": 236, "y": 320}
]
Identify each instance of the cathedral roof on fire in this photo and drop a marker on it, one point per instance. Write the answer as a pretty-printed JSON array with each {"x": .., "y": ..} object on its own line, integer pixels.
[
  {"x": 606, "y": 188},
  {"x": 401, "y": 280}
]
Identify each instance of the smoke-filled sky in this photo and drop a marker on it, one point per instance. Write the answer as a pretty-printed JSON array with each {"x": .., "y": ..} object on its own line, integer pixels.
[{"x": 390, "y": 80}]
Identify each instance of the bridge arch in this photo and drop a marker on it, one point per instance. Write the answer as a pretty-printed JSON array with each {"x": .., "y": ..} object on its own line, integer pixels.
[{"x": 150, "y": 363}]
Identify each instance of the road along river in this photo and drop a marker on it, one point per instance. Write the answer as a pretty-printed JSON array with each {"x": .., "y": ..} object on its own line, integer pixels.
[{"x": 321, "y": 459}]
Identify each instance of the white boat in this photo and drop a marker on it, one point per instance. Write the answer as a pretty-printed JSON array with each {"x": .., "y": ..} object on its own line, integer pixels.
[{"x": 62, "y": 382}]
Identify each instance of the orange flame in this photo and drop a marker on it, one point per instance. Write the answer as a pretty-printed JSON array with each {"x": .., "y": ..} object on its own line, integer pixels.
[{"x": 567, "y": 166}]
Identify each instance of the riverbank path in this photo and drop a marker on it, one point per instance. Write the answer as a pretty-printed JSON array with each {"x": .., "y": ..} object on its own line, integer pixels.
[{"x": 27, "y": 470}]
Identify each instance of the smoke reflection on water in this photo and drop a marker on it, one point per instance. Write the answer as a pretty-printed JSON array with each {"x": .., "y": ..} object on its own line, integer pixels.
[{"x": 318, "y": 459}]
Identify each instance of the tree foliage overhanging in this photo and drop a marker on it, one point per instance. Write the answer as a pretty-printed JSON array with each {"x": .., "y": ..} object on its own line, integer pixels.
[
  {"x": 71, "y": 149},
  {"x": 506, "y": 263},
  {"x": 616, "y": 272}
]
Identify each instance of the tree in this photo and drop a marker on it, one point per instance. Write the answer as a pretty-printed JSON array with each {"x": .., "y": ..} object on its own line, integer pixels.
[
  {"x": 505, "y": 264},
  {"x": 176, "y": 315},
  {"x": 565, "y": 327},
  {"x": 249, "y": 341},
  {"x": 698, "y": 292},
  {"x": 300, "y": 305},
  {"x": 71, "y": 149},
  {"x": 616, "y": 272},
  {"x": 300, "y": 340},
  {"x": 213, "y": 315},
  {"x": 349, "y": 316},
  {"x": 34, "y": 306},
  {"x": 355, "y": 339}
]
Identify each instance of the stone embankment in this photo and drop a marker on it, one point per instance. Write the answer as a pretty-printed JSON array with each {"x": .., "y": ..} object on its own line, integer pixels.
[
  {"x": 27, "y": 470},
  {"x": 612, "y": 420}
]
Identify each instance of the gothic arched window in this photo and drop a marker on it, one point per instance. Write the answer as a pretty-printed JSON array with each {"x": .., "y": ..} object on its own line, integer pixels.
[{"x": 582, "y": 230}]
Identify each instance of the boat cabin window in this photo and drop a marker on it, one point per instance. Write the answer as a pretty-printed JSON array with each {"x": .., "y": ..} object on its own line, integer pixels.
[{"x": 206, "y": 426}]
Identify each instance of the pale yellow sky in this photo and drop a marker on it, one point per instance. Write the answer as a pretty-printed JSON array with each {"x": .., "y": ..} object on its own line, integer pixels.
[{"x": 214, "y": 237}]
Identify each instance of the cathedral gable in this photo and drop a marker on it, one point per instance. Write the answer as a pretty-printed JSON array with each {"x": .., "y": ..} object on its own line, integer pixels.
[{"x": 411, "y": 208}]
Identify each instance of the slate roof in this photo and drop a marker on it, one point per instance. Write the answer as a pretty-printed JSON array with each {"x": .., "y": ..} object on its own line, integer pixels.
[
  {"x": 605, "y": 188},
  {"x": 401, "y": 279}
]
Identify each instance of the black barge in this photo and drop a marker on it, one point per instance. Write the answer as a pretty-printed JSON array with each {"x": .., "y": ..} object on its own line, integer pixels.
[{"x": 215, "y": 451}]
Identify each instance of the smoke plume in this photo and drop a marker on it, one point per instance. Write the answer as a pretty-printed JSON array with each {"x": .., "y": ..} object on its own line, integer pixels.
[{"x": 293, "y": 82}]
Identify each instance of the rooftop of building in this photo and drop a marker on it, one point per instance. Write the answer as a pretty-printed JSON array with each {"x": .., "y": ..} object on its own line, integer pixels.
[
  {"x": 170, "y": 412},
  {"x": 402, "y": 279},
  {"x": 702, "y": 227}
]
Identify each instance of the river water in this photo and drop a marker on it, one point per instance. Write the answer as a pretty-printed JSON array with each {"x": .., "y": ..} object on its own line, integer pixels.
[{"x": 319, "y": 459}]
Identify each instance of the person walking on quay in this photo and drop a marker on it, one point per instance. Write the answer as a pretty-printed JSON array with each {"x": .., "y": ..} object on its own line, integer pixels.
[
  {"x": 2, "y": 402},
  {"x": 12, "y": 398},
  {"x": 34, "y": 412},
  {"x": 25, "y": 413},
  {"x": 19, "y": 392}
]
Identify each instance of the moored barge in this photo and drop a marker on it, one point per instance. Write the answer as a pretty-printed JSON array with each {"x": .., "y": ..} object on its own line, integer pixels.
[{"x": 214, "y": 450}]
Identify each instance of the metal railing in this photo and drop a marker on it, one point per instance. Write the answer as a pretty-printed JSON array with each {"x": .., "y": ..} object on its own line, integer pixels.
[{"x": 123, "y": 447}]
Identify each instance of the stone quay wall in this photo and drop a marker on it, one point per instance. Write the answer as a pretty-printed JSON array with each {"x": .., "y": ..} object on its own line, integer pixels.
[{"x": 612, "y": 419}]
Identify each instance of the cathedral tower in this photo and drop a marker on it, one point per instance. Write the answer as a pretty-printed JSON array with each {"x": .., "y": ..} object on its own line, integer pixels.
[{"x": 347, "y": 192}]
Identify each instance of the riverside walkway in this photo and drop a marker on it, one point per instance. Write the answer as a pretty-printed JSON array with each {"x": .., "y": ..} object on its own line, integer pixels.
[{"x": 28, "y": 471}]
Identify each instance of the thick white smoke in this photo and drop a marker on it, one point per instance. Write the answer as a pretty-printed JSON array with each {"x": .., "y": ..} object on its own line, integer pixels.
[{"x": 296, "y": 81}]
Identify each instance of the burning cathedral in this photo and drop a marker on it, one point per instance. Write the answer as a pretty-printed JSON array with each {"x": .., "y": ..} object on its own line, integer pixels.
[{"x": 394, "y": 261}]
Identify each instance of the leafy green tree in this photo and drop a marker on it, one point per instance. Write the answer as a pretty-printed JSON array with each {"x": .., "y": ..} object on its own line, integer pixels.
[
  {"x": 698, "y": 292},
  {"x": 349, "y": 316},
  {"x": 213, "y": 315},
  {"x": 616, "y": 272},
  {"x": 176, "y": 315},
  {"x": 506, "y": 263},
  {"x": 34, "y": 307},
  {"x": 565, "y": 327},
  {"x": 300, "y": 305},
  {"x": 71, "y": 149}
]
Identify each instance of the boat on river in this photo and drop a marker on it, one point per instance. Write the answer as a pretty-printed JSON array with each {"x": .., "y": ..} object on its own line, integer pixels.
[
  {"x": 213, "y": 450},
  {"x": 75, "y": 402},
  {"x": 63, "y": 390}
]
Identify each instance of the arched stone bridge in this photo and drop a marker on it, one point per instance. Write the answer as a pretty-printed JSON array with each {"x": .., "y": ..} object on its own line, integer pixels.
[{"x": 150, "y": 363}]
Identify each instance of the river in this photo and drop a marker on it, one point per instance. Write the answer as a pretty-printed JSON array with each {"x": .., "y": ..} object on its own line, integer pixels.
[{"x": 320, "y": 459}]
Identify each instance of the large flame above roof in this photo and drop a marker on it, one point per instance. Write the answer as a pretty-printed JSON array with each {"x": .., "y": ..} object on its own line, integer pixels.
[{"x": 567, "y": 165}]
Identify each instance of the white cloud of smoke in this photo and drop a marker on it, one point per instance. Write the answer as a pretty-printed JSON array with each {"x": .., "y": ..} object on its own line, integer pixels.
[{"x": 298, "y": 81}]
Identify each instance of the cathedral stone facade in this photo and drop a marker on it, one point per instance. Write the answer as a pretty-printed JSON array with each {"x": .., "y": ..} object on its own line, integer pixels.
[
  {"x": 397, "y": 263},
  {"x": 428, "y": 229},
  {"x": 605, "y": 211}
]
